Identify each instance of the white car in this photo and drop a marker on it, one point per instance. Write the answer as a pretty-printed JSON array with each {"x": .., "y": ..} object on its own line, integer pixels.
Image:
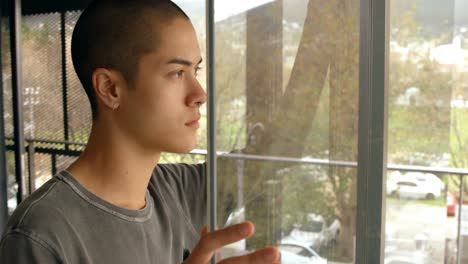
[
  {"x": 412, "y": 189},
  {"x": 289, "y": 253},
  {"x": 414, "y": 185},
  {"x": 292, "y": 253},
  {"x": 426, "y": 178},
  {"x": 315, "y": 233},
  {"x": 392, "y": 187}
]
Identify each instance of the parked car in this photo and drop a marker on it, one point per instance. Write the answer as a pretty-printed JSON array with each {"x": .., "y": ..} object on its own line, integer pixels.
[
  {"x": 413, "y": 189},
  {"x": 239, "y": 247},
  {"x": 292, "y": 252},
  {"x": 289, "y": 254},
  {"x": 452, "y": 203},
  {"x": 425, "y": 178},
  {"x": 299, "y": 253},
  {"x": 315, "y": 233},
  {"x": 392, "y": 187}
]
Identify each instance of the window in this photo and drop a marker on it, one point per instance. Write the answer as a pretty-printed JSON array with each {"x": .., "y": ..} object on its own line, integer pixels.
[
  {"x": 286, "y": 111},
  {"x": 426, "y": 127}
]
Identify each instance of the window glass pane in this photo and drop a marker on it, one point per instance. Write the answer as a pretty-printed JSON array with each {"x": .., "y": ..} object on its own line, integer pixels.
[
  {"x": 427, "y": 117},
  {"x": 286, "y": 108}
]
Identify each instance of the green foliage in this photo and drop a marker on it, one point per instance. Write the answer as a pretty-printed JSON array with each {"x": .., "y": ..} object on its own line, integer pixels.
[
  {"x": 418, "y": 129},
  {"x": 305, "y": 191},
  {"x": 459, "y": 137},
  {"x": 440, "y": 202}
]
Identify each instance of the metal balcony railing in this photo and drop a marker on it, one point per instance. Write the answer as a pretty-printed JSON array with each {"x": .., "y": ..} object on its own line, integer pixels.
[{"x": 55, "y": 148}]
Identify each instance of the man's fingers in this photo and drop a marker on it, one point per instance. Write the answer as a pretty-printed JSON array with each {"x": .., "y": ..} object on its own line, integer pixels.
[
  {"x": 204, "y": 231},
  {"x": 212, "y": 241},
  {"x": 219, "y": 238},
  {"x": 267, "y": 255}
]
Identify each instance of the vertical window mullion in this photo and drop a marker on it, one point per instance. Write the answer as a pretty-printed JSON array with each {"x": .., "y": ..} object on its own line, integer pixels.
[
  {"x": 211, "y": 151},
  {"x": 372, "y": 148}
]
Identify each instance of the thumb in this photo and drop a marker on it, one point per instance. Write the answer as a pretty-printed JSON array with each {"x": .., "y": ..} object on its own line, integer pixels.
[{"x": 204, "y": 231}]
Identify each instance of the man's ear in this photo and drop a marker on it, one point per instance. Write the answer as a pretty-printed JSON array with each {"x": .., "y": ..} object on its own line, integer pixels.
[{"x": 107, "y": 87}]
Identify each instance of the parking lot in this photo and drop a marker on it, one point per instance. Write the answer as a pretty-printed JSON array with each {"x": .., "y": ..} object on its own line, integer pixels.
[{"x": 410, "y": 220}]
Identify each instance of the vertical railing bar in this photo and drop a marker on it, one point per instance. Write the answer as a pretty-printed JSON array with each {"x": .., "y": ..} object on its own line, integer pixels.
[
  {"x": 17, "y": 91},
  {"x": 31, "y": 167},
  {"x": 64, "y": 77},
  {"x": 54, "y": 164},
  {"x": 459, "y": 219}
]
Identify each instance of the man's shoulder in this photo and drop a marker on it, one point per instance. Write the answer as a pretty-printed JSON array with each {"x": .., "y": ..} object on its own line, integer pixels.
[
  {"x": 178, "y": 174},
  {"x": 42, "y": 210},
  {"x": 176, "y": 169},
  {"x": 40, "y": 224}
]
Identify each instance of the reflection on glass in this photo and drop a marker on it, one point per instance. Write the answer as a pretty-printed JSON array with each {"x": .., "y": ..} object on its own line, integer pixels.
[
  {"x": 286, "y": 95},
  {"x": 428, "y": 110}
]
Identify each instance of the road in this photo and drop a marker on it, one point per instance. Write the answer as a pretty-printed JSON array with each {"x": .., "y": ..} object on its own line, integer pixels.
[{"x": 409, "y": 219}]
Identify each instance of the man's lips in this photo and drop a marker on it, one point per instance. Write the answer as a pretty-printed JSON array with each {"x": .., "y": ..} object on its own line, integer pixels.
[{"x": 193, "y": 122}]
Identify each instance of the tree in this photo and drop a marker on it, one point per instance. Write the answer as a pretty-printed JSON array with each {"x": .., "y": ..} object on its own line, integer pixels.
[{"x": 279, "y": 119}]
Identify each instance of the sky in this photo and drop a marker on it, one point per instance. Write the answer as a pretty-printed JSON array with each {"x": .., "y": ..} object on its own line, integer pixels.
[{"x": 228, "y": 8}]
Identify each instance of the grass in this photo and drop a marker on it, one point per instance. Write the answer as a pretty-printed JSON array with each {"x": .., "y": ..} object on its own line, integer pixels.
[{"x": 440, "y": 202}]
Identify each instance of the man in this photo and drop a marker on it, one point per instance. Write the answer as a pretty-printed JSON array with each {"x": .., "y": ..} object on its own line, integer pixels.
[{"x": 137, "y": 61}]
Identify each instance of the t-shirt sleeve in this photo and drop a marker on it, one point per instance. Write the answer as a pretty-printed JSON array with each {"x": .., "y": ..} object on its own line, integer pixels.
[{"x": 19, "y": 248}]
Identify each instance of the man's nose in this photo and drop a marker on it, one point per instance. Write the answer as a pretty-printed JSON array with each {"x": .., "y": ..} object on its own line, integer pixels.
[{"x": 197, "y": 97}]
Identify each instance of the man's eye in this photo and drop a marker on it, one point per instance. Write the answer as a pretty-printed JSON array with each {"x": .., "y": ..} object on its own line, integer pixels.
[
  {"x": 180, "y": 73},
  {"x": 197, "y": 70}
]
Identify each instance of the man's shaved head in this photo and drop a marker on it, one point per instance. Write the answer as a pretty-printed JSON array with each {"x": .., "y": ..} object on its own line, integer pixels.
[{"x": 115, "y": 34}]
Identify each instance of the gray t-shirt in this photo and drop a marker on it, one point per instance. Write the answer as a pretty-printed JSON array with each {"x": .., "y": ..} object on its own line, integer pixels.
[{"x": 62, "y": 222}]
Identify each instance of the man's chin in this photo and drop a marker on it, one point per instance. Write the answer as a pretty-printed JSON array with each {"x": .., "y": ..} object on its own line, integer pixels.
[{"x": 181, "y": 149}]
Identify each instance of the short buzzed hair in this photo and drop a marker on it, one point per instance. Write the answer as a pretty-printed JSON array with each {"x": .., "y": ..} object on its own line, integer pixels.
[{"x": 115, "y": 34}]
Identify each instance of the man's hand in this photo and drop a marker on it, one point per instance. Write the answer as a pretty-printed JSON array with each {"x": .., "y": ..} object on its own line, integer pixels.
[{"x": 209, "y": 242}]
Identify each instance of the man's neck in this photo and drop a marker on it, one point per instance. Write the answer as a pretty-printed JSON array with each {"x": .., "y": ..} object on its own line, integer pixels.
[{"x": 114, "y": 168}]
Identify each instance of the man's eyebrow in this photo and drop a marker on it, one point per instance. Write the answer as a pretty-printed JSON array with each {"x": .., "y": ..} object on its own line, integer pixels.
[{"x": 183, "y": 61}]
